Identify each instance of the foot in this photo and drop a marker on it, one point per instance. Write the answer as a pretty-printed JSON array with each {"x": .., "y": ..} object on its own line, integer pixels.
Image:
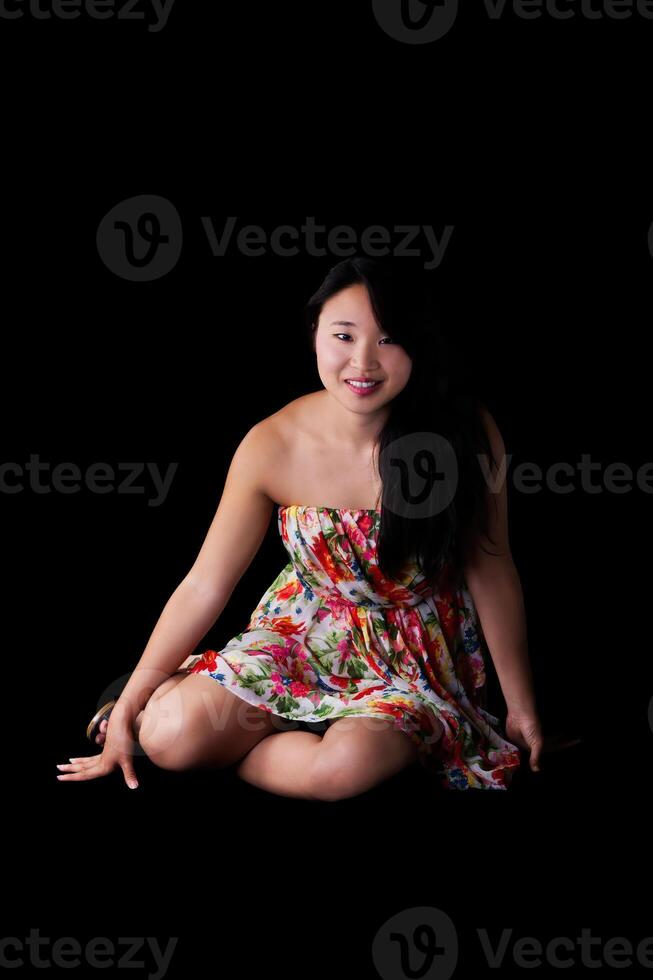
[{"x": 101, "y": 735}]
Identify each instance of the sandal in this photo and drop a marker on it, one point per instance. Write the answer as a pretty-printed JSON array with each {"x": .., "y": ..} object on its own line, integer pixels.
[{"x": 93, "y": 727}]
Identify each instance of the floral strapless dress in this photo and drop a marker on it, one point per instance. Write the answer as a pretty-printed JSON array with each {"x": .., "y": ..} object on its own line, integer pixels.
[{"x": 333, "y": 637}]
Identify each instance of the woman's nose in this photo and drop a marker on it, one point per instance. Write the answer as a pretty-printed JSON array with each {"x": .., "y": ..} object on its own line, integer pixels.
[{"x": 365, "y": 362}]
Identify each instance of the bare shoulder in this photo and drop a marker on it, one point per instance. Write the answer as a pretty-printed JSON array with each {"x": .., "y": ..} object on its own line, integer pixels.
[
  {"x": 267, "y": 447},
  {"x": 261, "y": 448},
  {"x": 297, "y": 416}
]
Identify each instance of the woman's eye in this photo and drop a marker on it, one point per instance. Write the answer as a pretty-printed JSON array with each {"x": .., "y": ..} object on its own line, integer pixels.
[{"x": 349, "y": 335}]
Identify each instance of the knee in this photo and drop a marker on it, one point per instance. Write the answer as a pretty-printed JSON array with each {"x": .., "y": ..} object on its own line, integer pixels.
[{"x": 161, "y": 737}]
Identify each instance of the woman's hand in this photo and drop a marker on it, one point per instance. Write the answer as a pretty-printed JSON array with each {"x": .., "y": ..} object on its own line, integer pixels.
[
  {"x": 118, "y": 750},
  {"x": 523, "y": 728}
]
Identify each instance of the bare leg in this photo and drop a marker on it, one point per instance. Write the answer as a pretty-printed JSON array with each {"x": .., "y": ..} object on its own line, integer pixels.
[
  {"x": 283, "y": 763},
  {"x": 358, "y": 752},
  {"x": 200, "y": 723},
  {"x": 354, "y": 755},
  {"x": 191, "y": 721}
]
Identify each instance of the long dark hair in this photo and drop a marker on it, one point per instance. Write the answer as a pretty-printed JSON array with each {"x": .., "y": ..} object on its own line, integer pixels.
[{"x": 439, "y": 397}]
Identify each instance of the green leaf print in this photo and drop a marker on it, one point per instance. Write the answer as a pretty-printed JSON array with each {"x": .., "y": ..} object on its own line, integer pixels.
[
  {"x": 324, "y": 710},
  {"x": 285, "y": 702}
]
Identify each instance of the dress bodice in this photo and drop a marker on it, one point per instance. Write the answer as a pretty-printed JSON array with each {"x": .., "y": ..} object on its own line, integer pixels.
[{"x": 333, "y": 551}]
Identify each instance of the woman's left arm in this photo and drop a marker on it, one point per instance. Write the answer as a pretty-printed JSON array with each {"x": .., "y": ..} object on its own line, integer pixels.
[
  {"x": 495, "y": 587},
  {"x": 499, "y": 600}
]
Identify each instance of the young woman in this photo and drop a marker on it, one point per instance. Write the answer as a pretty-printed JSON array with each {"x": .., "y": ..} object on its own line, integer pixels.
[{"x": 398, "y": 582}]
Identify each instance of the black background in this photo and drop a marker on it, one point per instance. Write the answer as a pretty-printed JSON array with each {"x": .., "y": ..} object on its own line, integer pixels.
[{"x": 528, "y": 138}]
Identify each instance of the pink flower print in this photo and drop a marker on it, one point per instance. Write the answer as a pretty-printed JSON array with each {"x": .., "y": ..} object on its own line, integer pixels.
[
  {"x": 344, "y": 648},
  {"x": 296, "y": 650},
  {"x": 397, "y": 644},
  {"x": 284, "y": 651},
  {"x": 357, "y": 537},
  {"x": 337, "y": 606},
  {"x": 277, "y": 683},
  {"x": 276, "y": 649}
]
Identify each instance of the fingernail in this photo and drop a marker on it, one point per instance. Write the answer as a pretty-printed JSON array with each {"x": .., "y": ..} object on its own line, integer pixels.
[
  {"x": 60, "y": 765},
  {"x": 132, "y": 785}
]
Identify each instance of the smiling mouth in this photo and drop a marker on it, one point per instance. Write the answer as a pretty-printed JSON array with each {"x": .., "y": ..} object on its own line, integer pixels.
[{"x": 363, "y": 386}]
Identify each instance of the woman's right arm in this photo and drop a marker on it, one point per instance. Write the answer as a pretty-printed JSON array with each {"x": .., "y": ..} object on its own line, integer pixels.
[
  {"x": 187, "y": 616},
  {"x": 233, "y": 539}
]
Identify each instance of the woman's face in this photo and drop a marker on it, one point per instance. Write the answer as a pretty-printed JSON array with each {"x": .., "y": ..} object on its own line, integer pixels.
[{"x": 349, "y": 344}]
